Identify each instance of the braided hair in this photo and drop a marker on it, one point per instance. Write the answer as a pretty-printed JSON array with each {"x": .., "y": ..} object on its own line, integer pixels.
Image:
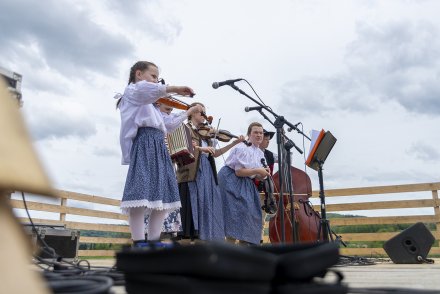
[{"x": 140, "y": 65}]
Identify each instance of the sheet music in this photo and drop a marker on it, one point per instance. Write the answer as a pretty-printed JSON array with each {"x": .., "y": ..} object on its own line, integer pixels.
[{"x": 315, "y": 136}]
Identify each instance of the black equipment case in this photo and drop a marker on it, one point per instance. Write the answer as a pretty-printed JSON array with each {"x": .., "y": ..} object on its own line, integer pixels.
[{"x": 64, "y": 241}]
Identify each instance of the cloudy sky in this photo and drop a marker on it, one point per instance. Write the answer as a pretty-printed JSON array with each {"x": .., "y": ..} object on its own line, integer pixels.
[{"x": 368, "y": 71}]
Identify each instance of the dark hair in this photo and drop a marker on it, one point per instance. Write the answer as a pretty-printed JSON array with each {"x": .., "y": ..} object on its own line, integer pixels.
[
  {"x": 254, "y": 124},
  {"x": 194, "y": 104},
  {"x": 140, "y": 65}
]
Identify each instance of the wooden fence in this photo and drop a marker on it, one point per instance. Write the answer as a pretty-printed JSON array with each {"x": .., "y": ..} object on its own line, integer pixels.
[{"x": 430, "y": 200}]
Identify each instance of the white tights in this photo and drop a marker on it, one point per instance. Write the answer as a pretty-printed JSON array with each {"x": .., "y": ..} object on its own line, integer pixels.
[{"x": 136, "y": 219}]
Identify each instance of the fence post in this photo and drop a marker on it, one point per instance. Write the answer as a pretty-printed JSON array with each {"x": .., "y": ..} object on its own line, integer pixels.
[
  {"x": 436, "y": 211},
  {"x": 63, "y": 214}
]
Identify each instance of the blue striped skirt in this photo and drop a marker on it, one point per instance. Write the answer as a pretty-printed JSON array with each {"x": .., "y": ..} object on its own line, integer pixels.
[
  {"x": 241, "y": 206},
  {"x": 206, "y": 203},
  {"x": 151, "y": 180}
]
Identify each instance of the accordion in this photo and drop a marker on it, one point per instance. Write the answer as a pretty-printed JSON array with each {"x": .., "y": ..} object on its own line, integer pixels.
[{"x": 180, "y": 146}]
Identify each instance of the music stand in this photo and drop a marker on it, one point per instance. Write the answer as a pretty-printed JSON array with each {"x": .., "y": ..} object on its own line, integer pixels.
[{"x": 321, "y": 146}]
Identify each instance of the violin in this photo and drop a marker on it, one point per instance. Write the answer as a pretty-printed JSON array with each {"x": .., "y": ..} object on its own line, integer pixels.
[
  {"x": 208, "y": 132},
  {"x": 178, "y": 104},
  {"x": 173, "y": 102}
]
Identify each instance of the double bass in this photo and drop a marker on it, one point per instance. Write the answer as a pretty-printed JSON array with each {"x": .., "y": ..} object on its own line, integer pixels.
[{"x": 307, "y": 220}]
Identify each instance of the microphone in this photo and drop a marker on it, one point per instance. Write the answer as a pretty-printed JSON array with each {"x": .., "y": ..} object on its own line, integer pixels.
[
  {"x": 295, "y": 126},
  {"x": 247, "y": 108},
  {"x": 215, "y": 85}
]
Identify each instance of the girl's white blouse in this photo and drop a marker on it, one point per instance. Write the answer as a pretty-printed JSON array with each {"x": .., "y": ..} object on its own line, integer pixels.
[
  {"x": 137, "y": 110},
  {"x": 243, "y": 156}
]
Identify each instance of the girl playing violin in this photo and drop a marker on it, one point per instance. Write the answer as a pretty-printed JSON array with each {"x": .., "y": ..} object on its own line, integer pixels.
[
  {"x": 202, "y": 208},
  {"x": 172, "y": 223},
  {"x": 241, "y": 200},
  {"x": 151, "y": 186}
]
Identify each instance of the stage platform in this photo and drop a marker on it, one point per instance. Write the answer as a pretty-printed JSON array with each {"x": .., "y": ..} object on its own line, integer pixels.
[{"x": 383, "y": 273}]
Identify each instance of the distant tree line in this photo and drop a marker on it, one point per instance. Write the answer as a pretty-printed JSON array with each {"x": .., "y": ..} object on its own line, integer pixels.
[{"x": 380, "y": 228}]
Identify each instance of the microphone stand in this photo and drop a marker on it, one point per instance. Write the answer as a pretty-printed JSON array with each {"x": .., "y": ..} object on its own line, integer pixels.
[
  {"x": 268, "y": 109},
  {"x": 287, "y": 146},
  {"x": 279, "y": 123}
]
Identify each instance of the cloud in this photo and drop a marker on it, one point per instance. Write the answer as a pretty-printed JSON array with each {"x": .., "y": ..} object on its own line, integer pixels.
[
  {"x": 423, "y": 151},
  {"x": 65, "y": 37},
  {"x": 395, "y": 63},
  {"x": 106, "y": 151},
  {"x": 147, "y": 17},
  {"x": 60, "y": 121},
  {"x": 399, "y": 61},
  {"x": 324, "y": 95}
]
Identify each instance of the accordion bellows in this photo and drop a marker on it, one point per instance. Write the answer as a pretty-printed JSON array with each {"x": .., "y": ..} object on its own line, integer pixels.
[{"x": 180, "y": 146}]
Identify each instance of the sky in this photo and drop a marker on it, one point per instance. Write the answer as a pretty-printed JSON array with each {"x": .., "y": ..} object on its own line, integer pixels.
[{"x": 367, "y": 71}]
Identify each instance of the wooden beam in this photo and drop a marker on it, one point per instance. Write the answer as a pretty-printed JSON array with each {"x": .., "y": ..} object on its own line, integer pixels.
[
  {"x": 68, "y": 210},
  {"x": 352, "y": 221},
  {"x": 87, "y": 198},
  {"x": 102, "y": 240},
  {"x": 374, "y": 236},
  {"x": 80, "y": 225},
  {"x": 379, "y": 190},
  {"x": 85, "y": 253},
  {"x": 379, "y": 205}
]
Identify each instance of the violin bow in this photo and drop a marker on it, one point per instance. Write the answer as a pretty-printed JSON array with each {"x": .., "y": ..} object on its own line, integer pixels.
[{"x": 218, "y": 129}]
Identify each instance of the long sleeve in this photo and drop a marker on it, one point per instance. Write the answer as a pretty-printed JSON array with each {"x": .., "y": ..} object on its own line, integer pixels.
[
  {"x": 137, "y": 110},
  {"x": 173, "y": 120},
  {"x": 144, "y": 92}
]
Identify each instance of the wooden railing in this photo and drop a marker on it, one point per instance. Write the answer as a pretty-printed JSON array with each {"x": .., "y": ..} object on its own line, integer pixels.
[{"x": 431, "y": 200}]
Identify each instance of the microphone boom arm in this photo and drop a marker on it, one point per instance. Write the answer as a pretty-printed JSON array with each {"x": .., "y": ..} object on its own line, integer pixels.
[{"x": 278, "y": 118}]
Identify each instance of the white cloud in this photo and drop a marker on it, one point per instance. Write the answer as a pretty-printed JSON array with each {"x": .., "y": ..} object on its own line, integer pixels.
[
  {"x": 424, "y": 151},
  {"x": 60, "y": 121},
  {"x": 399, "y": 61},
  {"x": 66, "y": 37}
]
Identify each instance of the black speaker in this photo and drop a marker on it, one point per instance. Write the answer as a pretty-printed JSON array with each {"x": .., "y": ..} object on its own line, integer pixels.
[{"x": 411, "y": 245}]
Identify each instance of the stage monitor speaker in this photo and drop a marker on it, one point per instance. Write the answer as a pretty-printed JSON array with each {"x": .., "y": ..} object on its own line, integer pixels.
[{"x": 411, "y": 245}]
